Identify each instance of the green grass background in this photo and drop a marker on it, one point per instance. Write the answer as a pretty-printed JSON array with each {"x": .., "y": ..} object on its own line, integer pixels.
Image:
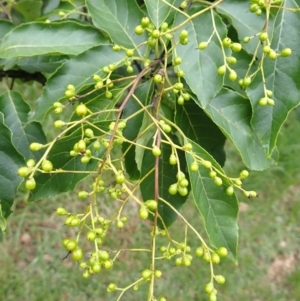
[{"x": 32, "y": 269}]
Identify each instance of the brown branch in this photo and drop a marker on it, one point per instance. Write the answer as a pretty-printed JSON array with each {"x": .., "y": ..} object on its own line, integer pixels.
[{"x": 23, "y": 75}]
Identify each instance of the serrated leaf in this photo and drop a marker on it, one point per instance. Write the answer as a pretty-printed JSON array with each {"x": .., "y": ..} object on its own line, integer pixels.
[
  {"x": 144, "y": 93},
  {"x": 10, "y": 161},
  {"x": 49, "y": 185},
  {"x": 78, "y": 71},
  {"x": 219, "y": 211},
  {"x": 166, "y": 177},
  {"x": 39, "y": 38},
  {"x": 46, "y": 64},
  {"x": 247, "y": 24},
  {"x": 281, "y": 76},
  {"x": 200, "y": 67},
  {"x": 118, "y": 19},
  {"x": 15, "y": 111},
  {"x": 197, "y": 126},
  {"x": 232, "y": 114},
  {"x": 159, "y": 11}
]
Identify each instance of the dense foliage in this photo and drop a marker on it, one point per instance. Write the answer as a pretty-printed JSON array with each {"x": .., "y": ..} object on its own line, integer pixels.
[{"x": 146, "y": 95}]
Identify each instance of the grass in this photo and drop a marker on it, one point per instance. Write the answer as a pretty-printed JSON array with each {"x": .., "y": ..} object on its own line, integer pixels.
[{"x": 32, "y": 268}]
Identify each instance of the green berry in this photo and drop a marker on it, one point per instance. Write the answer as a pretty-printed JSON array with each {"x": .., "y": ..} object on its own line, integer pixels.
[
  {"x": 180, "y": 100},
  {"x": 215, "y": 258},
  {"x": 34, "y": 146},
  {"x": 222, "y": 251},
  {"x": 194, "y": 167},
  {"x": 155, "y": 34},
  {"x": 229, "y": 190},
  {"x": 247, "y": 81},
  {"x": 81, "y": 110},
  {"x": 221, "y": 70},
  {"x": 173, "y": 189},
  {"x": 77, "y": 254},
  {"x": 23, "y": 171},
  {"x": 71, "y": 245},
  {"x": 145, "y": 22},
  {"x": 244, "y": 174},
  {"x": 183, "y": 191},
  {"x": 58, "y": 124},
  {"x": 91, "y": 236},
  {"x": 129, "y": 52},
  {"x": 199, "y": 252},
  {"x": 83, "y": 194},
  {"x": 246, "y": 39},
  {"x": 267, "y": 49},
  {"x": 226, "y": 42},
  {"x": 177, "y": 61},
  {"x": 116, "y": 48},
  {"x": 218, "y": 181},
  {"x": 30, "y": 184},
  {"x": 203, "y": 45},
  {"x": 183, "y": 4},
  {"x": 209, "y": 287},
  {"x": 207, "y": 164},
  {"x": 120, "y": 178},
  {"x": 151, "y": 205},
  {"x": 232, "y": 75},
  {"x": 61, "y": 211},
  {"x": 263, "y": 36},
  {"x": 158, "y": 274},
  {"x": 236, "y": 47},
  {"x": 47, "y": 166},
  {"x": 143, "y": 213},
  {"x": 231, "y": 60},
  {"x": 157, "y": 78},
  {"x": 146, "y": 274},
  {"x": 220, "y": 279},
  {"x": 173, "y": 159},
  {"x": 286, "y": 52},
  {"x": 81, "y": 145},
  {"x": 272, "y": 55},
  {"x": 263, "y": 101},
  {"x": 139, "y": 30},
  {"x": 156, "y": 151},
  {"x": 271, "y": 102},
  {"x": 183, "y": 34}
]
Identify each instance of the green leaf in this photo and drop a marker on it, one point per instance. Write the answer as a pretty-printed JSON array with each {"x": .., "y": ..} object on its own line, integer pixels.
[
  {"x": 39, "y": 38},
  {"x": 232, "y": 114},
  {"x": 29, "y": 9},
  {"x": 78, "y": 71},
  {"x": 219, "y": 211},
  {"x": 2, "y": 222},
  {"x": 49, "y": 5},
  {"x": 5, "y": 27},
  {"x": 159, "y": 11},
  {"x": 200, "y": 66},
  {"x": 49, "y": 185},
  {"x": 10, "y": 161},
  {"x": 247, "y": 24},
  {"x": 46, "y": 64},
  {"x": 144, "y": 93},
  {"x": 146, "y": 132},
  {"x": 15, "y": 111},
  {"x": 281, "y": 76},
  {"x": 99, "y": 103},
  {"x": 197, "y": 126},
  {"x": 166, "y": 177},
  {"x": 118, "y": 19}
]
